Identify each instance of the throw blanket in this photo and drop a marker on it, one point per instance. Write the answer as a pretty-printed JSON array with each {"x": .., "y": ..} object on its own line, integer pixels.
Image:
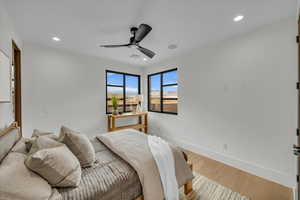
[
  {"x": 163, "y": 156},
  {"x": 132, "y": 146}
]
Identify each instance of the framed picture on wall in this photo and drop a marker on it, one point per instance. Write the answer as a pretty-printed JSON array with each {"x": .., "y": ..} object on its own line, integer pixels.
[{"x": 5, "y": 93}]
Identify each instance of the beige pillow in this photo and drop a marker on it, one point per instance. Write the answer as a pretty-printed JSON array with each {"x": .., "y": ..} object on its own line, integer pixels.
[
  {"x": 57, "y": 165},
  {"x": 37, "y": 133},
  {"x": 18, "y": 182},
  {"x": 80, "y": 146},
  {"x": 42, "y": 143}
]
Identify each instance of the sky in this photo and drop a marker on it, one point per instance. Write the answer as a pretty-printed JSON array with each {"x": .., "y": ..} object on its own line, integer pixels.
[
  {"x": 132, "y": 82},
  {"x": 168, "y": 78},
  {"x": 117, "y": 79}
]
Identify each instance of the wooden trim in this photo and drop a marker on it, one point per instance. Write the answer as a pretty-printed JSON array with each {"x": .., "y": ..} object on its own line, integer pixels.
[{"x": 18, "y": 94}]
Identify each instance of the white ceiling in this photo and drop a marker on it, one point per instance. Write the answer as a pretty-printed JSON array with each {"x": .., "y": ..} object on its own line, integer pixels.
[{"x": 84, "y": 24}]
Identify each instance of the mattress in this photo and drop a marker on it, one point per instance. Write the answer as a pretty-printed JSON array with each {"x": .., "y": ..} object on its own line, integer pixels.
[{"x": 111, "y": 178}]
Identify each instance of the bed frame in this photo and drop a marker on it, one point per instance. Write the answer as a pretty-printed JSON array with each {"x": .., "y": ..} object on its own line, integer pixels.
[
  {"x": 188, "y": 187},
  {"x": 8, "y": 129}
]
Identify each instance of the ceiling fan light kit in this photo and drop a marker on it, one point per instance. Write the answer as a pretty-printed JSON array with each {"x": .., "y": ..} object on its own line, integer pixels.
[{"x": 138, "y": 34}]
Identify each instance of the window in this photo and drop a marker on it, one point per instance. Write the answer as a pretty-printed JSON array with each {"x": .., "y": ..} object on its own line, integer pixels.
[
  {"x": 124, "y": 86},
  {"x": 163, "y": 92}
]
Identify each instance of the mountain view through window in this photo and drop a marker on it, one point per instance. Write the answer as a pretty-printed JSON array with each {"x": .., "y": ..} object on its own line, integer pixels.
[
  {"x": 163, "y": 92},
  {"x": 125, "y": 87}
]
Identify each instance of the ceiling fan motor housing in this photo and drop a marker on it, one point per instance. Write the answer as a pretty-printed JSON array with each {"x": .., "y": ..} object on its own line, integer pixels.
[{"x": 133, "y": 30}]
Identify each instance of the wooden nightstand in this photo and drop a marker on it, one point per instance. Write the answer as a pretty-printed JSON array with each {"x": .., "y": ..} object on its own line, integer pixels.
[{"x": 142, "y": 125}]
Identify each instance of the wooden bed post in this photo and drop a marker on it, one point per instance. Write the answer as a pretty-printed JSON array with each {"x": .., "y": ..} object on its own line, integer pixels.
[
  {"x": 188, "y": 187},
  {"x": 140, "y": 198}
]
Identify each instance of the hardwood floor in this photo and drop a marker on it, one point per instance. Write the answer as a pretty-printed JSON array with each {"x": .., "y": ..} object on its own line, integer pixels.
[{"x": 239, "y": 181}]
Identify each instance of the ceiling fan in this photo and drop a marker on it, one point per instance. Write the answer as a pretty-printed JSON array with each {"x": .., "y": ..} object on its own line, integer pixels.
[{"x": 138, "y": 34}]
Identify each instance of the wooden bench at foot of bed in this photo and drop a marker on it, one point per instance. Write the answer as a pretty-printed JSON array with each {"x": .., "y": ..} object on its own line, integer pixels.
[{"x": 188, "y": 187}]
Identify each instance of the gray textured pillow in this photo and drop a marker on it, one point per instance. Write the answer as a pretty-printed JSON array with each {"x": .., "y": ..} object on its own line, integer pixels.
[
  {"x": 18, "y": 182},
  {"x": 80, "y": 146},
  {"x": 57, "y": 165}
]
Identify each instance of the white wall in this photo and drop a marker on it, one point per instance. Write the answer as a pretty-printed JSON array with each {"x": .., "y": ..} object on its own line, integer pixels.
[
  {"x": 238, "y": 93},
  {"x": 7, "y": 34},
  {"x": 62, "y": 88}
]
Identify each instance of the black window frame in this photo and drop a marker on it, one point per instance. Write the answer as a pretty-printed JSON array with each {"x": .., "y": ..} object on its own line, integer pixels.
[
  {"x": 161, "y": 92},
  {"x": 122, "y": 86}
]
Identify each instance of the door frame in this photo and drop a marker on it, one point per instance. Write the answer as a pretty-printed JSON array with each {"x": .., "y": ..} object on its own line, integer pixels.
[{"x": 16, "y": 52}]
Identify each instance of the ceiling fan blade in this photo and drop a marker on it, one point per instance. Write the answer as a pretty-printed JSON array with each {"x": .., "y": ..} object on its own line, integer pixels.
[
  {"x": 141, "y": 33},
  {"x": 147, "y": 52},
  {"x": 115, "y": 46}
]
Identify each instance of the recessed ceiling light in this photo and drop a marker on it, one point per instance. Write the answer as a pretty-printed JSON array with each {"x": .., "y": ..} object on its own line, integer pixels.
[
  {"x": 56, "y": 39},
  {"x": 238, "y": 18},
  {"x": 145, "y": 59},
  {"x": 172, "y": 46}
]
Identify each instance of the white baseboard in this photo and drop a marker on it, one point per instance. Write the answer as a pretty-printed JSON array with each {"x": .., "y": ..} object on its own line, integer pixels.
[{"x": 269, "y": 174}]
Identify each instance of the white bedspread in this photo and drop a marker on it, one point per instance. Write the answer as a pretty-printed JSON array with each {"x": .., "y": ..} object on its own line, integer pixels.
[{"x": 164, "y": 159}]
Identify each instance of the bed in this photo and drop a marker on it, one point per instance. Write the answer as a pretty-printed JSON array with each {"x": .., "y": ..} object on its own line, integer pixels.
[{"x": 110, "y": 178}]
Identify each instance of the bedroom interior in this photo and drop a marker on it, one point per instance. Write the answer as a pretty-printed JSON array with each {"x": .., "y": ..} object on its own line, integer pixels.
[{"x": 149, "y": 100}]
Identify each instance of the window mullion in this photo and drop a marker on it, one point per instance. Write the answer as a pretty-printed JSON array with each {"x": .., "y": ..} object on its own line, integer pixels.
[
  {"x": 168, "y": 85},
  {"x": 124, "y": 93},
  {"x": 148, "y": 92},
  {"x": 162, "y": 87},
  {"x": 121, "y": 86},
  {"x": 106, "y": 105},
  {"x": 161, "y": 93},
  {"x": 108, "y": 85}
]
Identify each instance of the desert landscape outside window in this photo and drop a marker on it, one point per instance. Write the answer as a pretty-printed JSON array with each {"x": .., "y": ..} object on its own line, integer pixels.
[
  {"x": 125, "y": 87},
  {"x": 163, "y": 92}
]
